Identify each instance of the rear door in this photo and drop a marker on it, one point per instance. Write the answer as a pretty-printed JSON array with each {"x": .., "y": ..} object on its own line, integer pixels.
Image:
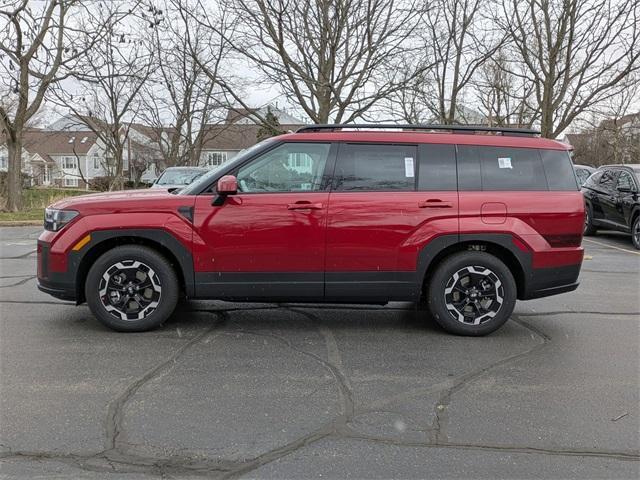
[{"x": 380, "y": 216}]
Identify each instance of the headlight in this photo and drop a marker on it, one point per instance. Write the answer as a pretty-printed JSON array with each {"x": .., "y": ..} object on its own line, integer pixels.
[{"x": 55, "y": 220}]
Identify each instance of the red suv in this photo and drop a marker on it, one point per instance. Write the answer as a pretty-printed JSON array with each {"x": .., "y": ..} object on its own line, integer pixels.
[{"x": 464, "y": 219}]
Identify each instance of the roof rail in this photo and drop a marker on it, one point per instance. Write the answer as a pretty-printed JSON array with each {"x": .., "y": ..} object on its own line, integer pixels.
[{"x": 425, "y": 127}]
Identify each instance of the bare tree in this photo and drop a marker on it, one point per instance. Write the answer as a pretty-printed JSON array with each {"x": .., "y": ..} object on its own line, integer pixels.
[
  {"x": 183, "y": 92},
  {"x": 327, "y": 56},
  {"x": 39, "y": 46},
  {"x": 504, "y": 99},
  {"x": 576, "y": 54},
  {"x": 456, "y": 40},
  {"x": 110, "y": 78}
]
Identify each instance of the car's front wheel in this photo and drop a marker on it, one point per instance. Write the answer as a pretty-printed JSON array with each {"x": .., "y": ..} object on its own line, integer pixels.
[
  {"x": 472, "y": 293},
  {"x": 132, "y": 288}
]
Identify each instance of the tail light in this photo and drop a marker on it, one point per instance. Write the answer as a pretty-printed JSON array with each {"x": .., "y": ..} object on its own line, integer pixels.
[{"x": 569, "y": 240}]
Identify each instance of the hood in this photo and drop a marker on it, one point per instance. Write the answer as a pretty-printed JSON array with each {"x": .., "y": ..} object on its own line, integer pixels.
[{"x": 122, "y": 201}]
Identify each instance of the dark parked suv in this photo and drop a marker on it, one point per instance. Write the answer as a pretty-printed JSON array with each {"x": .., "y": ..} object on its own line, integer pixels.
[
  {"x": 465, "y": 220},
  {"x": 612, "y": 202}
]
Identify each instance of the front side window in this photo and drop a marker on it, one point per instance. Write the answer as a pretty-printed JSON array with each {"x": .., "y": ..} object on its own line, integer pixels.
[
  {"x": 291, "y": 167},
  {"x": 375, "y": 167},
  {"x": 607, "y": 180}
]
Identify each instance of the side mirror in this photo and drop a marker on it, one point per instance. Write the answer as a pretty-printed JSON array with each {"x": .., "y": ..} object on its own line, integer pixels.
[{"x": 228, "y": 185}]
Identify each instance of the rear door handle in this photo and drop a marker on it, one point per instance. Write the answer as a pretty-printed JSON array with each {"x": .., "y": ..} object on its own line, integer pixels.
[
  {"x": 435, "y": 203},
  {"x": 304, "y": 206}
]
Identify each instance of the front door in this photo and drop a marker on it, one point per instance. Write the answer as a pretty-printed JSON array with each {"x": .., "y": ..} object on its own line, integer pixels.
[{"x": 268, "y": 240}]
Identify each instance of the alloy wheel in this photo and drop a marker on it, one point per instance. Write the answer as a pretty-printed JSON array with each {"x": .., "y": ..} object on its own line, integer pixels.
[
  {"x": 474, "y": 295},
  {"x": 130, "y": 290}
]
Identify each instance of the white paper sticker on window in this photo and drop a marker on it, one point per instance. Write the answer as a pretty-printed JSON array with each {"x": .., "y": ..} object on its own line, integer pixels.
[
  {"x": 504, "y": 162},
  {"x": 408, "y": 167}
]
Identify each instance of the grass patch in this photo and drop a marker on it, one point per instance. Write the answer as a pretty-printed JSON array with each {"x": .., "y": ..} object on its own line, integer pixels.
[{"x": 36, "y": 199}]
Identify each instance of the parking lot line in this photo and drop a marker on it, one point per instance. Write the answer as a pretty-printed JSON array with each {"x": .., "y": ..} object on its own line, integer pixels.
[{"x": 610, "y": 246}]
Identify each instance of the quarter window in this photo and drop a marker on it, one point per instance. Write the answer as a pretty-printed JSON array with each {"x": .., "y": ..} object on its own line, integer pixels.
[
  {"x": 559, "y": 171},
  {"x": 291, "y": 167},
  {"x": 375, "y": 167}
]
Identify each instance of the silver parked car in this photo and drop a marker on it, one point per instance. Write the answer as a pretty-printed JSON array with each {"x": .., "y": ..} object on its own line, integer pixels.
[{"x": 178, "y": 177}]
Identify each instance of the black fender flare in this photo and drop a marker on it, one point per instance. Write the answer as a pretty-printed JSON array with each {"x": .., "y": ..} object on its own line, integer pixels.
[
  {"x": 152, "y": 236},
  {"x": 443, "y": 243}
]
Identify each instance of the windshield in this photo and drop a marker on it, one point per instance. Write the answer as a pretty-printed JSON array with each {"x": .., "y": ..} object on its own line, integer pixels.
[
  {"x": 179, "y": 177},
  {"x": 204, "y": 180}
]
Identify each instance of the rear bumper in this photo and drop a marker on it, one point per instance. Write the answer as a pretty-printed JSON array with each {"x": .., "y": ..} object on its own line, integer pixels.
[{"x": 544, "y": 282}]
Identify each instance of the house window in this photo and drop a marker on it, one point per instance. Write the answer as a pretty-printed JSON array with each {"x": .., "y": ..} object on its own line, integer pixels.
[
  {"x": 3, "y": 161},
  {"x": 96, "y": 162},
  {"x": 215, "y": 159},
  {"x": 69, "y": 163},
  {"x": 46, "y": 175},
  {"x": 70, "y": 182}
]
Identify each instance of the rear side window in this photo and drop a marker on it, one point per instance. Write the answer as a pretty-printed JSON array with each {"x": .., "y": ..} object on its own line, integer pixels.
[
  {"x": 437, "y": 168},
  {"x": 500, "y": 168},
  {"x": 375, "y": 167},
  {"x": 559, "y": 170}
]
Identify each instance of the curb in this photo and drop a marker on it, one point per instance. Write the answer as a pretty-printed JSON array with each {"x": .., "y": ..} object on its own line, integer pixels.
[{"x": 20, "y": 223}]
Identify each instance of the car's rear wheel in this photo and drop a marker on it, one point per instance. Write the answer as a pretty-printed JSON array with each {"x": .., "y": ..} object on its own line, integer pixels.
[
  {"x": 132, "y": 289},
  {"x": 635, "y": 232},
  {"x": 472, "y": 293},
  {"x": 589, "y": 227}
]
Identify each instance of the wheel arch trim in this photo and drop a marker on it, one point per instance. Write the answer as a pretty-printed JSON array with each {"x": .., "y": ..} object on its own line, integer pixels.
[{"x": 162, "y": 240}]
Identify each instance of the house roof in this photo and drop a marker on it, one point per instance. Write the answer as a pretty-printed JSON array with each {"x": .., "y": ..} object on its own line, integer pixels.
[
  {"x": 248, "y": 115},
  {"x": 234, "y": 136},
  {"x": 46, "y": 142}
]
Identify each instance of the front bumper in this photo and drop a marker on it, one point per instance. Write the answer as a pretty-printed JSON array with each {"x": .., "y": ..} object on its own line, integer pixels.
[{"x": 60, "y": 285}]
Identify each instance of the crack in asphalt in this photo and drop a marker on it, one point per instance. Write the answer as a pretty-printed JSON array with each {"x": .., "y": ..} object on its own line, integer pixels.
[
  {"x": 17, "y": 257},
  {"x": 441, "y": 416},
  {"x": 115, "y": 409},
  {"x": 115, "y": 458},
  {"x": 20, "y": 282},
  {"x": 572, "y": 312}
]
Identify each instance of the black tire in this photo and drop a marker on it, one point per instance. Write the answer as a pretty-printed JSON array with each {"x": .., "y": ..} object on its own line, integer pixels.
[
  {"x": 493, "y": 278},
  {"x": 154, "y": 288},
  {"x": 589, "y": 227},
  {"x": 635, "y": 232}
]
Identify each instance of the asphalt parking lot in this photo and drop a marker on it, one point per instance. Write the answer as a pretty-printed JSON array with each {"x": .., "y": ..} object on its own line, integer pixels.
[{"x": 288, "y": 391}]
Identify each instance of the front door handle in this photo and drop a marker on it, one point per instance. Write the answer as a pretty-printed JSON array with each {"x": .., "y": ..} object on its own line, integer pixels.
[
  {"x": 304, "y": 206},
  {"x": 435, "y": 203}
]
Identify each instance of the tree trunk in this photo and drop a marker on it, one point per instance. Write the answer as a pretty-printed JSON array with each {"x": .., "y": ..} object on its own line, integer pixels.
[{"x": 14, "y": 174}]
